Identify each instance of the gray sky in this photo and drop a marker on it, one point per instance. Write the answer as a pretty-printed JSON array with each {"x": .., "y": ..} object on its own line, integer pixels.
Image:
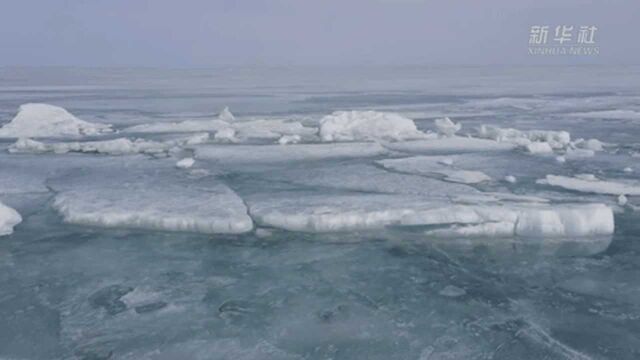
[{"x": 200, "y": 33}]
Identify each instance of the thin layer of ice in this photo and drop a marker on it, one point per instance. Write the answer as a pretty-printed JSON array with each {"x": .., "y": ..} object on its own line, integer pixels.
[
  {"x": 44, "y": 120},
  {"x": 592, "y": 185},
  {"x": 367, "y": 125},
  {"x": 8, "y": 219},
  {"x": 242, "y": 154}
]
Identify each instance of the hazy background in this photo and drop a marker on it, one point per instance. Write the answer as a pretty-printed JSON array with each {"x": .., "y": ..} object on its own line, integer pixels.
[{"x": 200, "y": 33}]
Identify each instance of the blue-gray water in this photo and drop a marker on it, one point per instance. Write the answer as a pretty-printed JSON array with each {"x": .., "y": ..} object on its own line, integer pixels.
[{"x": 69, "y": 291}]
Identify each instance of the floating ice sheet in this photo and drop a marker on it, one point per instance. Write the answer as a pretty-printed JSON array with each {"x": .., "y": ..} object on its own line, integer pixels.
[
  {"x": 151, "y": 196},
  {"x": 325, "y": 213}
]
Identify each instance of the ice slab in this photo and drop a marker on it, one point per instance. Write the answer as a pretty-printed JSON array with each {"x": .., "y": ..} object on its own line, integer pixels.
[
  {"x": 149, "y": 195},
  {"x": 591, "y": 185},
  {"x": 367, "y": 125},
  {"x": 44, "y": 120},
  {"x": 449, "y": 145},
  {"x": 8, "y": 219},
  {"x": 344, "y": 212},
  {"x": 243, "y": 154},
  {"x": 435, "y": 165}
]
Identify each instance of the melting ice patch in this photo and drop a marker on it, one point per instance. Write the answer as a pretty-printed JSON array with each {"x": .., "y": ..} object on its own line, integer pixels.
[
  {"x": 43, "y": 120},
  {"x": 8, "y": 219},
  {"x": 367, "y": 125}
]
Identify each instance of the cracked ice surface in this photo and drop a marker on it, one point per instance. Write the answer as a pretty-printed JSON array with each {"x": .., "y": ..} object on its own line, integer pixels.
[{"x": 360, "y": 250}]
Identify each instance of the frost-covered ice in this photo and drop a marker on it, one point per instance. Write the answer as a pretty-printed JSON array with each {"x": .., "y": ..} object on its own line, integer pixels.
[
  {"x": 591, "y": 185},
  {"x": 367, "y": 125},
  {"x": 8, "y": 219},
  {"x": 242, "y": 154},
  {"x": 44, "y": 120}
]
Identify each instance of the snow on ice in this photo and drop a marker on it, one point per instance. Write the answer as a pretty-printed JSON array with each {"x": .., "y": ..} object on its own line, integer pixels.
[{"x": 44, "y": 120}]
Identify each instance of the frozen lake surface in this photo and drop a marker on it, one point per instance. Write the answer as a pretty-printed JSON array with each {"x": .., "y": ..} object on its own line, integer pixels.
[{"x": 325, "y": 214}]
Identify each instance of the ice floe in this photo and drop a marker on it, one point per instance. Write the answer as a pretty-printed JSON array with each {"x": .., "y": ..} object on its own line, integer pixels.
[
  {"x": 242, "y": 154},
  {"x": 322, "y": 213},
  {"x": 367, "y": 125},
  {"x": 170, "y": 206},
  {"x": 591, "y": 185},
  {"x": 8, "y": 219},
  {"x": 434, "y": 165},
  {"x": 44, "y": 120}
]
